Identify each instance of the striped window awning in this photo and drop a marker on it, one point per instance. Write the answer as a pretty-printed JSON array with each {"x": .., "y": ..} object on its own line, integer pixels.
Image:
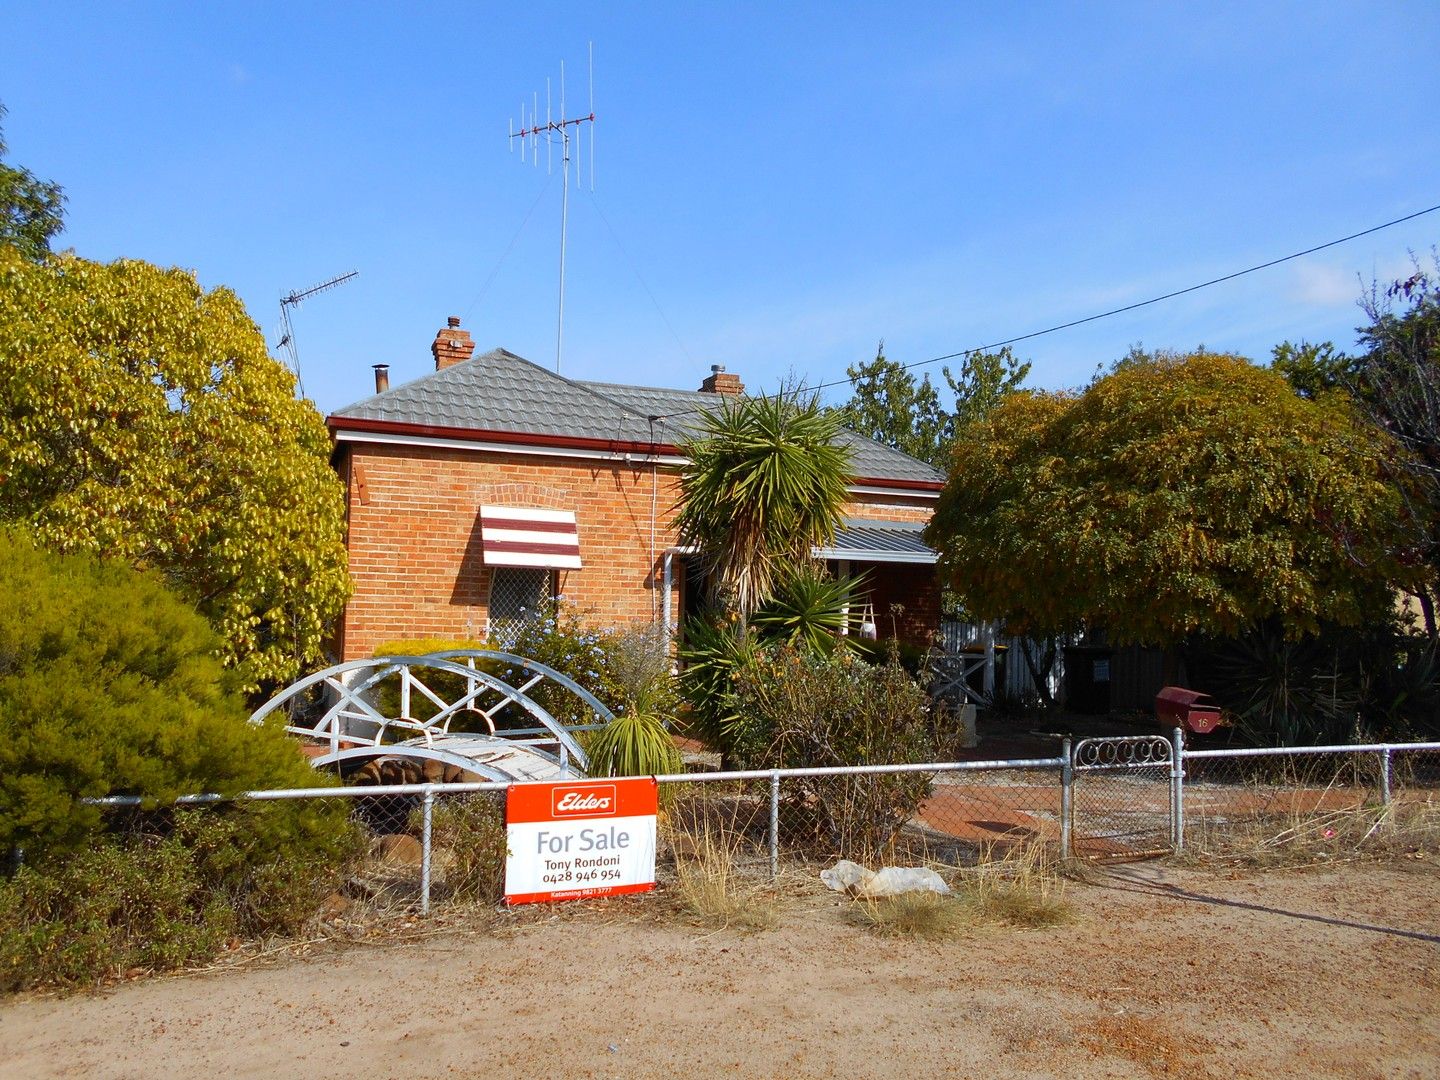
[{"x": 522, "y": 536}]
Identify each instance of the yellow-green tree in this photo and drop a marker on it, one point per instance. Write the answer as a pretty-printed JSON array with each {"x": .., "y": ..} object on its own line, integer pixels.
[
  {"x": 142, "y": 418},
  {"x": 1180, "y": 493}
]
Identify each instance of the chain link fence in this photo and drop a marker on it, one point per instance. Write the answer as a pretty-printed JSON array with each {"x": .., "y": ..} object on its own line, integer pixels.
[
  {"x": 445, "y": 844},
  {"x": 1264, "y": 805}
]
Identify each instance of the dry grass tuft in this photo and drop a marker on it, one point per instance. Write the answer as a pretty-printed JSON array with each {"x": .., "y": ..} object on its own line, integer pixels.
[
  {"x": 1021, "y": 888},
  {"x": 923, "y": 915},
  {"x": 710, "y": 887},
  {"x": 1024, "y": 888}
]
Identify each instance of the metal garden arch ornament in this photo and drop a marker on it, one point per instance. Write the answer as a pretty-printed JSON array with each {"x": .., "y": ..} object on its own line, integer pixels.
[{"x": 352, "y": 726}]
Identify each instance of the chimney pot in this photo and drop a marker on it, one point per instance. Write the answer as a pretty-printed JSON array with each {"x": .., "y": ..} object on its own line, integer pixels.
[
  {"x": 717, "y": 367},
  {"x": 382, "y": 377},
  {"x": 453, "y": 320}
]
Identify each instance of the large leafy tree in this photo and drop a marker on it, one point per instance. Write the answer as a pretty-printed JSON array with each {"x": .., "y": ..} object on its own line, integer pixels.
[
  {"x": 888, "y": 404},
  {"x": 766, "y": 481},
  {"x": 1397, "y": 381},
  {"x": 142, "y": 418},
  {"x": 1179, "y": 493},
  {"x": 31, "y": 210}
]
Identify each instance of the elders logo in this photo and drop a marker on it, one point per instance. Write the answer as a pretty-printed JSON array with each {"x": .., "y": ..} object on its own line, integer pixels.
[{"x": 593, "y": 800}]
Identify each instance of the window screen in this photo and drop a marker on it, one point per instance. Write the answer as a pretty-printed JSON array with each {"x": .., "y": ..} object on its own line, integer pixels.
[{"x": 516, "y": 596}]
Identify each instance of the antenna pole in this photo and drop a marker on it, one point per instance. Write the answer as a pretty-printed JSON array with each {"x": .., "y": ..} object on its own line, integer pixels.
[
  {"x": 564, "y": 219},
  {"x": 551, "y": 132}
]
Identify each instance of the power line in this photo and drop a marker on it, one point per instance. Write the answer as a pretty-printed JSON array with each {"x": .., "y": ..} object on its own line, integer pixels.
[
  {"x": 1128, "y": 307},
  {"x": 509, "y": 247},
  {"x": 635, "y": 268}
]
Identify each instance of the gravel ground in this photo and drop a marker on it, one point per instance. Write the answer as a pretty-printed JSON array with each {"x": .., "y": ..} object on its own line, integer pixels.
[{"x": 1163, "y": 971}]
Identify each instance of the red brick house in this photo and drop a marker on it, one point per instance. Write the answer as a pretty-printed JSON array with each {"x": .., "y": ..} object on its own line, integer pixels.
[{"x": 491, "y": 484}]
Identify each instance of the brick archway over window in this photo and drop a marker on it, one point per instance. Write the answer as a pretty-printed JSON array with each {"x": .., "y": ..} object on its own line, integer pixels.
[{"x": 519, "y": 493}]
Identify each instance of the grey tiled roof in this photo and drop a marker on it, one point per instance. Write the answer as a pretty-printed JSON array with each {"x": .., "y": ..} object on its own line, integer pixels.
[
  {"x": 499, "y": 391},
  {"x": 882, "y": 541}
]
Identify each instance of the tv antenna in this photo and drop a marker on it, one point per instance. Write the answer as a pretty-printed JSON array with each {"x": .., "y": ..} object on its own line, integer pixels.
[
  {"x": 287, "y": 328},
  {"x": 551, "y": 133}
]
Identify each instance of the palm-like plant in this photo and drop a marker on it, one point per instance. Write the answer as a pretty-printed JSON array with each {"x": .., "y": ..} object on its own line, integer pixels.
[
  {"x": 766, "y": 483},
  {"x": 808, "y": 608}
]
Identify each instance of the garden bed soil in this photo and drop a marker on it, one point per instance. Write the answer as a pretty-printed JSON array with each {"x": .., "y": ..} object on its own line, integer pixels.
[{"x": 1163, "y": 972}]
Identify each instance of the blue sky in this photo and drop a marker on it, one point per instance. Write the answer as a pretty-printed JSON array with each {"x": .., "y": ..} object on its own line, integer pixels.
[{"x": 777, "y": 186}]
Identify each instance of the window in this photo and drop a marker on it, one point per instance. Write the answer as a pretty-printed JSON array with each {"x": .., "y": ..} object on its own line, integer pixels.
[{"x": 517, "y": 595}]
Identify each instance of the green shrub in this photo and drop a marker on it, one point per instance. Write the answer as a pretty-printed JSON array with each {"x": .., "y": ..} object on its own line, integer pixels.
[
  {"x": 173, "y": 890},
  {"x": 559, "y": 638},
  {"x": 626, "y": 669},
  {"x": 109, "y": 685},
  {"x": 830, "y": 711},
  {"x": 444, "y": 683},
  {"x": 426, "y": 646},
  {"x": 806, "y": 611}
]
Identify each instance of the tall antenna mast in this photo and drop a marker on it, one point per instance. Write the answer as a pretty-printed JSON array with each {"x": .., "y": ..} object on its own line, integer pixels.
[
  {"x": 287, "y": 328},
  {"x": 552, "y": 133}
]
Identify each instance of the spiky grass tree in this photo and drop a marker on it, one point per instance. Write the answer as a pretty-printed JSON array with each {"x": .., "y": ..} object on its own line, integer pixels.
[{"x": 766, "y": 483}]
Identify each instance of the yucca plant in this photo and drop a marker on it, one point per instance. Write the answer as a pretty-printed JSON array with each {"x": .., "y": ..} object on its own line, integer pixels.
[
  {"x": 766, "y": 483},
  {"x": 1285, "y": 692},
  {"x": 714, "y": 652},
  {"x": 808, "y": 608},
  {"x": 634, "y": 744}
]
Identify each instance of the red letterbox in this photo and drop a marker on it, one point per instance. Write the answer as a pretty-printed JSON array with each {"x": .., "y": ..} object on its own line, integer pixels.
[{"x": 1176, "y": 707}]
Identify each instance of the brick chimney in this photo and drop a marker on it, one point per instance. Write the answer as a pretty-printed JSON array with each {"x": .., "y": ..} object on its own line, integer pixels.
[
  {"x": 452, "y": 345},
  {"x": 717, "y": 382}
]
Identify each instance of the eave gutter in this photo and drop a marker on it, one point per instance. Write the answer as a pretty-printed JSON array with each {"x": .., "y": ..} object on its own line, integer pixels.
[{"x": 916, "y": 558}]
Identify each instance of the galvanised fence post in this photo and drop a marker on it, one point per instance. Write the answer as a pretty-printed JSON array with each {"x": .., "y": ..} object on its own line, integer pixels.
[
  {"x": 1067, "y": 790},
  {"x": 1177, "y": 789},
  {"x": 774, "y": 825},
  {"x": 1385, "y": 766},
  {"x": 426, "y": 812}
]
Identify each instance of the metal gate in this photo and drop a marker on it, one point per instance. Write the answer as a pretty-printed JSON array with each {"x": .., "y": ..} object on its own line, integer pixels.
[{"x": 1123, "y": 799}]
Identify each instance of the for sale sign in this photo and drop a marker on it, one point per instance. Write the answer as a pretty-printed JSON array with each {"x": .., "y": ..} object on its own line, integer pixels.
[{"x": 579, "y": 838}]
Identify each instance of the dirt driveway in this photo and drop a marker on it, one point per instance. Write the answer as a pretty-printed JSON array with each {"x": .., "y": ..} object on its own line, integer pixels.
[{"x": 1163, "y": 972}]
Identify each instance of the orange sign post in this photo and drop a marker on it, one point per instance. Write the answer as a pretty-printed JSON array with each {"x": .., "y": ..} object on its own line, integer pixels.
[{"x": 582, "y": 838}]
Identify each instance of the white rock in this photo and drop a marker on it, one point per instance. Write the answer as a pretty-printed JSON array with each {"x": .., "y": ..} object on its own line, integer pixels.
[{"x": 854, "y": 880}]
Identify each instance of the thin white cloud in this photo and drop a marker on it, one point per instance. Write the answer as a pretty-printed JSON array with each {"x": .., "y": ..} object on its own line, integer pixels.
[
  {"x": 1323, "y": 284},
  {"x": 1340, "y": 284}
]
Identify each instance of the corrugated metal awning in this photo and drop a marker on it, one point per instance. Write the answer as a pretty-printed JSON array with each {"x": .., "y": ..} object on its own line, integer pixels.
[
  {"x": 522, "y": 536},
  {"x": 879, "y": 541}
]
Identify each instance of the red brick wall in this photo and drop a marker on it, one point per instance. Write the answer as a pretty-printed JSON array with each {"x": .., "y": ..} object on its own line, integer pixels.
[
  {"x": 915, "y": 588},
  {"x": 414, "y": 537},
  {"x": 414, "y": 540},
  {"x": 889, "y": 508}
]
